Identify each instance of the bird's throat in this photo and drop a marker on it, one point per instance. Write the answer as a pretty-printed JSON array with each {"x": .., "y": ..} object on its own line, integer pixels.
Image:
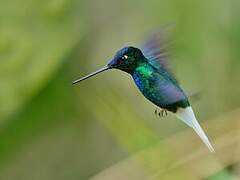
[{"x": 144, "y": 70}]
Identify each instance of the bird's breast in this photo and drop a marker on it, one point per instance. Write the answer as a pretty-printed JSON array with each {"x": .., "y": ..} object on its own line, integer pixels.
[
  {"x": 147, "y": 84},
  {"x": 159, "y": 89}
]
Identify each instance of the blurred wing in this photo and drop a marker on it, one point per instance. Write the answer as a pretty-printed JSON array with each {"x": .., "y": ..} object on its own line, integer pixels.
[{"x": 155, "y": 49}]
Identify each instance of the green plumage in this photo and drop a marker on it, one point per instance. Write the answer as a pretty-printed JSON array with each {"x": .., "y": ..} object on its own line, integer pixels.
[
  {"x": 159, "y": 87},
  {"x": 152, "y": 78}
]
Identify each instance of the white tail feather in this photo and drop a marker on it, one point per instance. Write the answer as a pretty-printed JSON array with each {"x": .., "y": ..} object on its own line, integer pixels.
[{"x": 188, "y": 117}]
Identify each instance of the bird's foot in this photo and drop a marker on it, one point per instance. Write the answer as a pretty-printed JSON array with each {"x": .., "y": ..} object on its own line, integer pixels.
[{"x": 160, "y": 112}]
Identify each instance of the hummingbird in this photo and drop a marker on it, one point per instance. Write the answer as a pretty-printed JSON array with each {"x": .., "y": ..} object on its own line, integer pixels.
[{"x": 149, "y": 68}]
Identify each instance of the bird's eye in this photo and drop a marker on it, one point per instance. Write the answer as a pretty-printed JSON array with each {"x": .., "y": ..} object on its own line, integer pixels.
[{"x": 125, "y": 57}]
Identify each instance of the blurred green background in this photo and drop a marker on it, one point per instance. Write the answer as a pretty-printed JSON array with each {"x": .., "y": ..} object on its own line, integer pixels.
[{"x": 50, "y": 129}]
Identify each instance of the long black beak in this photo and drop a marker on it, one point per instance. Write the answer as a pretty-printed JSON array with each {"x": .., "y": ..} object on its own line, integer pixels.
[{"x": 92, "y": 74}]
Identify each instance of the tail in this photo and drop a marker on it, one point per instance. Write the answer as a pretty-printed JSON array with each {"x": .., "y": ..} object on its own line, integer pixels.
[{"x": 187, "y": 116}]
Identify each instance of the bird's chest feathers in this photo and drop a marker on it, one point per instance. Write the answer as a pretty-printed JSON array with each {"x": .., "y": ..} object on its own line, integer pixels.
[
  {"x": 144, "y": 71},
  {"x": 152, "y": 84},
  {"x": 144, "y": 79}
]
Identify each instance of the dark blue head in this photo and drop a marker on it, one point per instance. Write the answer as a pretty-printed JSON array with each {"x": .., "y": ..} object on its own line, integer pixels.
[{"x": 127, "y": 59}]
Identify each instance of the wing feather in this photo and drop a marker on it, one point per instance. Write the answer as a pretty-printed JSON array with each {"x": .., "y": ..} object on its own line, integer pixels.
[{"x": 156, "y": 49}]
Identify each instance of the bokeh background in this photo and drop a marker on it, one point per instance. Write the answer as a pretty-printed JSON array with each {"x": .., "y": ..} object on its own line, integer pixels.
[{"x": 103, "y": 128}]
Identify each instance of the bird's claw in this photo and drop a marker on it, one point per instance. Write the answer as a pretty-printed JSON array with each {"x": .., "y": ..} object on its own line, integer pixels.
[{"x": 161, "y": 112}]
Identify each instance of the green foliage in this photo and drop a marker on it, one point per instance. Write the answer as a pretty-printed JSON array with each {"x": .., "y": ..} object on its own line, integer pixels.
[{"x": 35, "y": 37}]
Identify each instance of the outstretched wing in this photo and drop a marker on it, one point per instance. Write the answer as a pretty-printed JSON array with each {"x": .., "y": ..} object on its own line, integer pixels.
[{"x": 156, "y": 50}]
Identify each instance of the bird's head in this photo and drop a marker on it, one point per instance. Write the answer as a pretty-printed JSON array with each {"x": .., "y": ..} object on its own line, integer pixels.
[{"x": 126, "y": 59}]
